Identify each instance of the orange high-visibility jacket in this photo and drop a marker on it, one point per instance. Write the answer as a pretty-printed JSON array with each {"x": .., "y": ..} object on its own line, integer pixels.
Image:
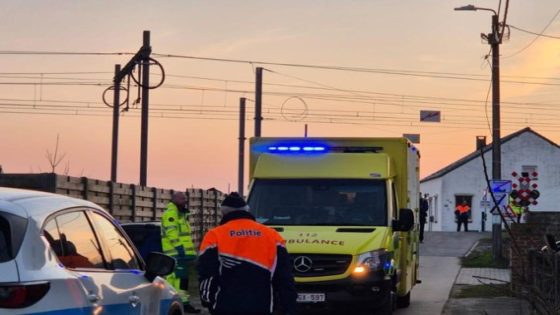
[
  {"x": 242, "y": 266},
  {"x": 463, "y": 209}
]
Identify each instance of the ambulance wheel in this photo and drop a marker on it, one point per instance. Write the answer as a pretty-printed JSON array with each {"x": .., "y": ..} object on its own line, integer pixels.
[
  {"x": 388, "y": 306},
  {"x": 403, "y": 301}
]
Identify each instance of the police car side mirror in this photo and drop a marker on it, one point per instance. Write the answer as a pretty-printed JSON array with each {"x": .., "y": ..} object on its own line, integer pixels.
[
  {"x": 158, "y": 264},
  {"x": 405, "y": 221}
]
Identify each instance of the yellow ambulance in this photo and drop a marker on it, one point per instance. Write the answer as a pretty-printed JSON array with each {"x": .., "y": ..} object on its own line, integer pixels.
[{"x": 346, "y": 208}]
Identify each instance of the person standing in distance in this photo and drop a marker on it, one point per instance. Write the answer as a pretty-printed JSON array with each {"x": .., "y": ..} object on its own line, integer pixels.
[
  {"x": 424, "y": 206},
  {"x": 243, "y": 266},
  {"x": 176, "y": 241},
  {"x": 462, "y": 213}
]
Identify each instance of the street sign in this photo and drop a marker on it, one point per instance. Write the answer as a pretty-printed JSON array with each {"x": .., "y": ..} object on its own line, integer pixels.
[
  {"x": 501, "y": 198},
  {"x": 500, "y": 186},
  {"x": 430, "y": 116},
  {"x": 485, "y": 203}
]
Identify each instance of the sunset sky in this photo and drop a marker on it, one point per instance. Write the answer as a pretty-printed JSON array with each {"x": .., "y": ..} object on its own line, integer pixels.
[{"x": 405, "y": 56}]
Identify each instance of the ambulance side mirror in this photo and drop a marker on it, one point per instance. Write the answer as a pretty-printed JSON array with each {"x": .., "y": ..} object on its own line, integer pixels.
[{"x": 405, "y": 221}]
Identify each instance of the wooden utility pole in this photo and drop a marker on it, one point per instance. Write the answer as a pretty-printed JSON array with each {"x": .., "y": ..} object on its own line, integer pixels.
[
  {"x": 115, "y": 142},
  {"x": 241, "y": 172},
  {"x": 258, "y": 101}
]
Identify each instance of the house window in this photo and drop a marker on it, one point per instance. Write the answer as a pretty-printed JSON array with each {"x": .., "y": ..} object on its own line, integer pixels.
[{"x": 529, "y": 171}]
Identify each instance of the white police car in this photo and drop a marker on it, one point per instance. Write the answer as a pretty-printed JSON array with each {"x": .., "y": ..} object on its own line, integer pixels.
[{"x": 61, "y": 255}]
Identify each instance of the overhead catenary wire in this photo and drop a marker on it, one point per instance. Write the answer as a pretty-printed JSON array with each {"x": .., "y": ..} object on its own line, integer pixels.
[
  {"x": 217, "y": 110},
  {"x": 229, "y": 117},
  {"x": 354, "y": 97},
  {"x": 380, "y": 98}
]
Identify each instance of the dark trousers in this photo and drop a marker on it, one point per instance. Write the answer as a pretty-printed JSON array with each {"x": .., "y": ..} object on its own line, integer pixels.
[
  {"x": 184, "y": 284},
  {"x": 463, "y": 219},
  {"x": 421, "y": 236}
]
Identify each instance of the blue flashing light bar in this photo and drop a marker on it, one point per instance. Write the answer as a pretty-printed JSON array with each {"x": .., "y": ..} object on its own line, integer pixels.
[{"x": 297, "y": 148}]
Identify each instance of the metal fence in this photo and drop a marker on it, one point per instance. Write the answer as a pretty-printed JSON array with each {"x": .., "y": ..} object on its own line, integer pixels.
[{"x": 126, "y": 202}]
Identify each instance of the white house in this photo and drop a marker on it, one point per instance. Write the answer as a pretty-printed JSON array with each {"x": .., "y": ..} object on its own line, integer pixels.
[{"x": 522, "y": 151}]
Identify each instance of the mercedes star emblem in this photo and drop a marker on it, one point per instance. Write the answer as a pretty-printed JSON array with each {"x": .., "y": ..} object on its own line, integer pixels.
[{"x": 302, "y": 263}]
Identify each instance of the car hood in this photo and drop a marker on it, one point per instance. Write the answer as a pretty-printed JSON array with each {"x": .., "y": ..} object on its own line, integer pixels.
[{"x": 9, "y": 271}]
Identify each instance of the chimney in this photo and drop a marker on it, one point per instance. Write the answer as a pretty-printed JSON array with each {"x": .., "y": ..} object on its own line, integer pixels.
[{"x": 480, "y": 142}]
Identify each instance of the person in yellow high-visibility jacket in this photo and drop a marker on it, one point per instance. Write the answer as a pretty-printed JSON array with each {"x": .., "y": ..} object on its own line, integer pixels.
[
  {"x": 176, "y": 241},
  {"x": 516, "y": 209}
]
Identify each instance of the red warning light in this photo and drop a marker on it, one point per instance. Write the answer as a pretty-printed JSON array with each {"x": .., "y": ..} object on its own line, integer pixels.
[
  {"x": 535, "y": 174},
  {"x": 535, "y": 185},
  {"x": 514, "y": 174}
]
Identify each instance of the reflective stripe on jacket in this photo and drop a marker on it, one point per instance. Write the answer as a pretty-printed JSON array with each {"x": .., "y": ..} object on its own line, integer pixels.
[
  {"x": 243, "y": 265},
  {"x": 176, "y": 231}
]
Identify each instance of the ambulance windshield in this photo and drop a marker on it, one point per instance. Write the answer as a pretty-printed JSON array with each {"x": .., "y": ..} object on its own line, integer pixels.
[{"x": 349, "y": 202}]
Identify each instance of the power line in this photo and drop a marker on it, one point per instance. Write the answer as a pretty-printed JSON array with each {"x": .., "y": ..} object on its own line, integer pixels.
[
  {"x": 57, "y": 83},
  {"x": 63, "y": 53},
  {"x": 533, "y": 33},
  {"x": 536, "y": 37},
  {"x": 504, "y": 20},
  {"x": 55, "y": 73},
  {"x": 431, "y": 74}
]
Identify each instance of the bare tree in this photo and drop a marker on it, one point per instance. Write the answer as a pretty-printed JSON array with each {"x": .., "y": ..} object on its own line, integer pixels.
[
  {"x": 66, "y": 168},
  {"x": 54, "y": 158}
]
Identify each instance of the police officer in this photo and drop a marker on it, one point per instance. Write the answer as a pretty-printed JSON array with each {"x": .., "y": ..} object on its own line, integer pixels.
[
  {"x": 177, "y": 242},
  {"x": 462, "y": 213},
  {"x": 243, "y": 266}
]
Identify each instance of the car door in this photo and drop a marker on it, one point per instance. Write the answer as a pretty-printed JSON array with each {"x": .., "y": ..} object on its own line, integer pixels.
[
  {"x": 85, "y": 244},
  {"x": 143, "y": 296},
  {"x": 71, "y": 236}
]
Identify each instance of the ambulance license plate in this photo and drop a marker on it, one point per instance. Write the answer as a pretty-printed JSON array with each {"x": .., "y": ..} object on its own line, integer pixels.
[{"x": 311, "y": 297}]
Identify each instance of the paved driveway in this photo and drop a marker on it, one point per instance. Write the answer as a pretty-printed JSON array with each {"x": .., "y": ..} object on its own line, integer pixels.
[{"x": 439, "y": 266}]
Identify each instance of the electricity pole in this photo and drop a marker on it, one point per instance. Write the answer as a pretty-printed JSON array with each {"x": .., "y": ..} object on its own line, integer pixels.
[
  {"x": 494, "y": 40},
  {"x": 115, "y": 142},
  {"x": 258, "y": 101},
  {"x": 145, "y": 60},
  {"x": 241, "y": 164}
]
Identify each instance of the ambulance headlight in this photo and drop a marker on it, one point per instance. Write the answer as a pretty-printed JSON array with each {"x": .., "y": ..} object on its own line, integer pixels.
[{"x": 372, "y": 261}]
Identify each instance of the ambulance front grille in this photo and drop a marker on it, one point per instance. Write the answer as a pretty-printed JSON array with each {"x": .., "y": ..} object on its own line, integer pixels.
[{"x": 319, "y": 265}]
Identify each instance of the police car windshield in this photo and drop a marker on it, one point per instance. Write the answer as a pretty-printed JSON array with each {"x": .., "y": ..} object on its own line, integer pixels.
[{"x": 355, "y": 202}]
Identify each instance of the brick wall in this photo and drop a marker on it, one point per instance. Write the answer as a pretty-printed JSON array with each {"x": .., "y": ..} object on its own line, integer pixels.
[{"x": 528, "y": 236}]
